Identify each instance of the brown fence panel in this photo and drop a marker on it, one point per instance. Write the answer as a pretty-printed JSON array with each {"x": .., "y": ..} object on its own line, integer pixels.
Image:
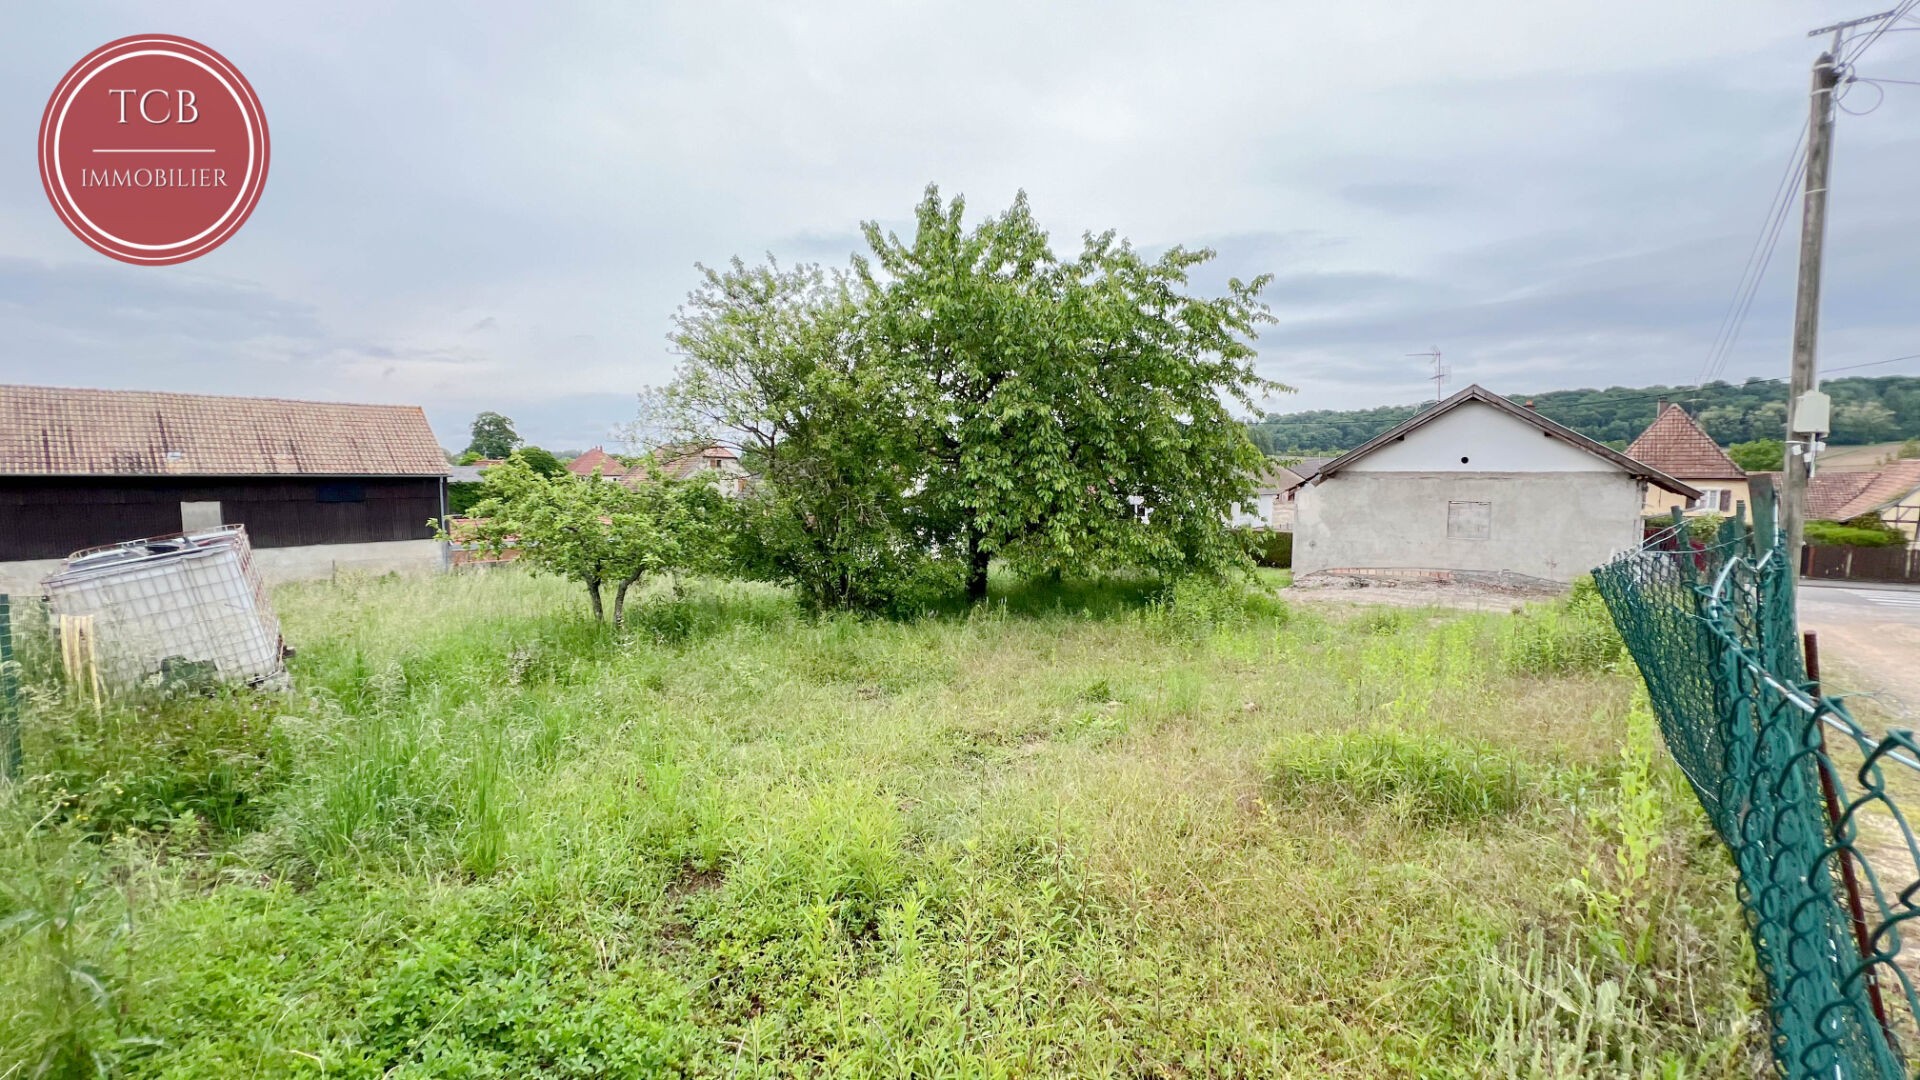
[{"x": 1892, "y": 564}]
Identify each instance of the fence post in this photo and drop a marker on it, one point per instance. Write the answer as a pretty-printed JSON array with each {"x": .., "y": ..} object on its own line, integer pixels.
[{"x": 9, "y": 696}]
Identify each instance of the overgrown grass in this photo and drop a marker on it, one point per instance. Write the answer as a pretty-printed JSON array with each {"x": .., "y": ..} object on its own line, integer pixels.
[{"x": 1096, "y": 829}]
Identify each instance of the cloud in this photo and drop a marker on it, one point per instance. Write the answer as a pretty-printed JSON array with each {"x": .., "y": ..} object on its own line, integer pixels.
[{"x": 502, "y": 211}]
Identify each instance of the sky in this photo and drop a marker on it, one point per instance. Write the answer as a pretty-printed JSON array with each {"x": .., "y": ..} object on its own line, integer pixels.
[{"x": 501, "y": 209}]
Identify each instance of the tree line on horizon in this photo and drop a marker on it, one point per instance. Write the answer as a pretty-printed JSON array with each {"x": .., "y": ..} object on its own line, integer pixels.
[{"x": 1865, "y": 410}]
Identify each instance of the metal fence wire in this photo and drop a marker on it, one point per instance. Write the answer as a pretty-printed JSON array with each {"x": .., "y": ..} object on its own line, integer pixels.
[{"x": 1826, "y": 860}]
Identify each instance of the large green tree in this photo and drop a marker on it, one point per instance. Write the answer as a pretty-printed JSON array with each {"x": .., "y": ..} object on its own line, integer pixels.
[
  {"x": 493, "y": 436},
  {"x": 963, "y": 395},
  {"x": 1067, "y": 413}
]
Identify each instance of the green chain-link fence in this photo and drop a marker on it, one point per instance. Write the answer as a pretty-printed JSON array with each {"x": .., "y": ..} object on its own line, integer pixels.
[
  {"x": 9, "y": 696},
  {"x": 1826, "y": 861}
]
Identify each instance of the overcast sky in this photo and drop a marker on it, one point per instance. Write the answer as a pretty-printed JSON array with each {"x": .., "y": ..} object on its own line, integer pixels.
[{"x": 499, "y": 205}]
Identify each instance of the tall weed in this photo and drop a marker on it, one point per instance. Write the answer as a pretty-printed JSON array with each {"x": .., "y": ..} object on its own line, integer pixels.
[{"x": 1421, "y": 777}]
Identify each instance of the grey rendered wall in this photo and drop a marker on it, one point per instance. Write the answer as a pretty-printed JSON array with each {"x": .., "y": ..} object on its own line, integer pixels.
[{"x": 1553, "y": 525}]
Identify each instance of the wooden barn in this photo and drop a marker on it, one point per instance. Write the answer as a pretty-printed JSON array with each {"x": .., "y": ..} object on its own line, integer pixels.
[{"x": 321, "y": 487}]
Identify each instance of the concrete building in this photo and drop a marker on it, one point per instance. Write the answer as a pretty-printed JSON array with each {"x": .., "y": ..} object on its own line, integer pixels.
[
  {"x": 320, "y": 487},
  {"x": 1478, "y": 489},
  {"x": 1678, "y": 446}
]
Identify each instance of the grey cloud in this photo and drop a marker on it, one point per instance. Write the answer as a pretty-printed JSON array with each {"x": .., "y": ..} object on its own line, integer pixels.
[{"x": 503, "y": 210}]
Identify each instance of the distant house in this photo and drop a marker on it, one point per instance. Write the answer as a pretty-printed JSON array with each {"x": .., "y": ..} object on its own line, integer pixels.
[
  {"x": 1676, "y": 445},
  {"x": 1285, "y": 497},
  {"x": 1891, "y": 492},
  {"x": 1272, "y": 506},
  {"x": 319, "y": 486},
  {"x": 598, "y": 461},
  {"x": 719, "y": 463},
  {"x": 1475, "y": 488}
]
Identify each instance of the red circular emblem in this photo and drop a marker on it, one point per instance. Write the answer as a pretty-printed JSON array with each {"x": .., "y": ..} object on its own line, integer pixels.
[{"x": 153, "y": 149}]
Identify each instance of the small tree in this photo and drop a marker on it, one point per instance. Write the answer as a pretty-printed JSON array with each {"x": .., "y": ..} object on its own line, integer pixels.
[
  {"x": 493, "y": 436},
  {"x": 1759, "y": 455},
  {"x": 541, "y": 461},
  {"x": 593, "y": 532}
]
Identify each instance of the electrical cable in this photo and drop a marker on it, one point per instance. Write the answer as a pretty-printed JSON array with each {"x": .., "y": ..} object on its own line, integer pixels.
[{"x": 1758, "y": 259}]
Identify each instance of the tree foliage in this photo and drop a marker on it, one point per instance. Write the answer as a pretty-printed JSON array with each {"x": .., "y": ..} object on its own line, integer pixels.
[
  {"x": 493, "y": 436},
  {"x": 1759, "y": 455},
  {"x": 1865, "y": 410},
  {"x": 964, "y": 394},
  {"x": 540, "y": 461},
  {"x": 1067, "y": 413},
  {"x": 592, "y": 531},
  {"x": 1860, "y": 532}
]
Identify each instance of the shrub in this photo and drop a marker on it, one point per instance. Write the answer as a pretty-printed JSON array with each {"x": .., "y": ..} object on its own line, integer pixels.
[
  {"x": 1270, "y": 548},
  {"x": 1428, "y": 778},
  {"x": 1704, "y": 528},
  {"x": 1875, "y": 534},
  {"x": 1574, "y": 636},
  {"x": 1196, "y": 606},
  {"x": 462, "y": 497}
]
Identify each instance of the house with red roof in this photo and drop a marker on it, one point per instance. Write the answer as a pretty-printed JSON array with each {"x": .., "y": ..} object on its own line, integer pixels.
[
  {"x": 1678, "y": 446},
  {"x": 598, "y": 461}
]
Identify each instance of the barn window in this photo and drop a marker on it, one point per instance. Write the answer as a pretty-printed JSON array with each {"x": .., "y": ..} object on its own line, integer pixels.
[
  {"x": 200, "y": 516},
  {"x": 1469, "y": 520},
  {"x": 340, "y": 493}
]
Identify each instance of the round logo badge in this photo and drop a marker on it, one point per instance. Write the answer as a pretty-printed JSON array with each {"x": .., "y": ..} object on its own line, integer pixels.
[{"x": 153, "y": 149}]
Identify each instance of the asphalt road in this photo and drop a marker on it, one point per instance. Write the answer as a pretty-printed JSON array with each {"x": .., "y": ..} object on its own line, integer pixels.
[{"x": 1869, "y": 642}]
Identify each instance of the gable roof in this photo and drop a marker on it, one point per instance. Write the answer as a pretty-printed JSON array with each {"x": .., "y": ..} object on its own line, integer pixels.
[
  {"x": 1676, "y": 445},
  {"x": 1292, "y": 476},
  {"x": 1845, "y": 496},
  {"x": 55, "y": 431},
  {"x": 1636, "y": 469},
  {"x": 596, "y": 458},
  {"x": 1274, "y": 478},
  {"x": 684, "y": 461}
]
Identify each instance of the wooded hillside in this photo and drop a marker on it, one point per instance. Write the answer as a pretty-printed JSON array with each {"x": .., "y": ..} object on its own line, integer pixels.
[{"x": 1865, "y": 410}]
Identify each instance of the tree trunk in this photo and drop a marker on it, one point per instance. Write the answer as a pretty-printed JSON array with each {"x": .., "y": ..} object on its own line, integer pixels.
[
  {"x": 977, "y": 559},
  {"x": 593, "y": 597},
  {"x": 620, "y": 601}
]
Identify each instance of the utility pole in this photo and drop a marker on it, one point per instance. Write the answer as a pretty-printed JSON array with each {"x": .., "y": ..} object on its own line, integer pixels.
[
  {"x": 1806, "y": 312},
  {"x": 1439, "y": 373}
]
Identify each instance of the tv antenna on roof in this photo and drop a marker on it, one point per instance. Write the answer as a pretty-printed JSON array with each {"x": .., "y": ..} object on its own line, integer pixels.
[{"x": 1440, "y": 373}]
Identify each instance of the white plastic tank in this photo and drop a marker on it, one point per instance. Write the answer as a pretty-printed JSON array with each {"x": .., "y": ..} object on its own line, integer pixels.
[{"x": 165, "y": 608}]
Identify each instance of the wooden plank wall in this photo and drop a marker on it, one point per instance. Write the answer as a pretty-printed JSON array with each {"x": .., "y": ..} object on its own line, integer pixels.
[{"x": 52, "y": 517}]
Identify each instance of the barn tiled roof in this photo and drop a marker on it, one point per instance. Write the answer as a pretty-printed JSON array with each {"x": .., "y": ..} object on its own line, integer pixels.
[
  {"x": 1677, "y": 446},
  {"x": 52, "y": 431}
]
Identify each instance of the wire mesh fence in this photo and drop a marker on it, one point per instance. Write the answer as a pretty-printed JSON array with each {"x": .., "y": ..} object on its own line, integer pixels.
[
  {"x": 1828, "y": 866},
  {"x": 9, "y": 695}
]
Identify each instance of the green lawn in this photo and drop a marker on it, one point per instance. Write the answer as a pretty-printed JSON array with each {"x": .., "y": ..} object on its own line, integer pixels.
[{"x": 1082, "y": 832}]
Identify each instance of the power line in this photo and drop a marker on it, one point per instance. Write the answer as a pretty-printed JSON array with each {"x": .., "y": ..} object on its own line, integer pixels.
[
  {"x": 1886, "y": 21},
  {"x": 1758, "y": 259},
  {"x": 1873, "y": 363}
]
